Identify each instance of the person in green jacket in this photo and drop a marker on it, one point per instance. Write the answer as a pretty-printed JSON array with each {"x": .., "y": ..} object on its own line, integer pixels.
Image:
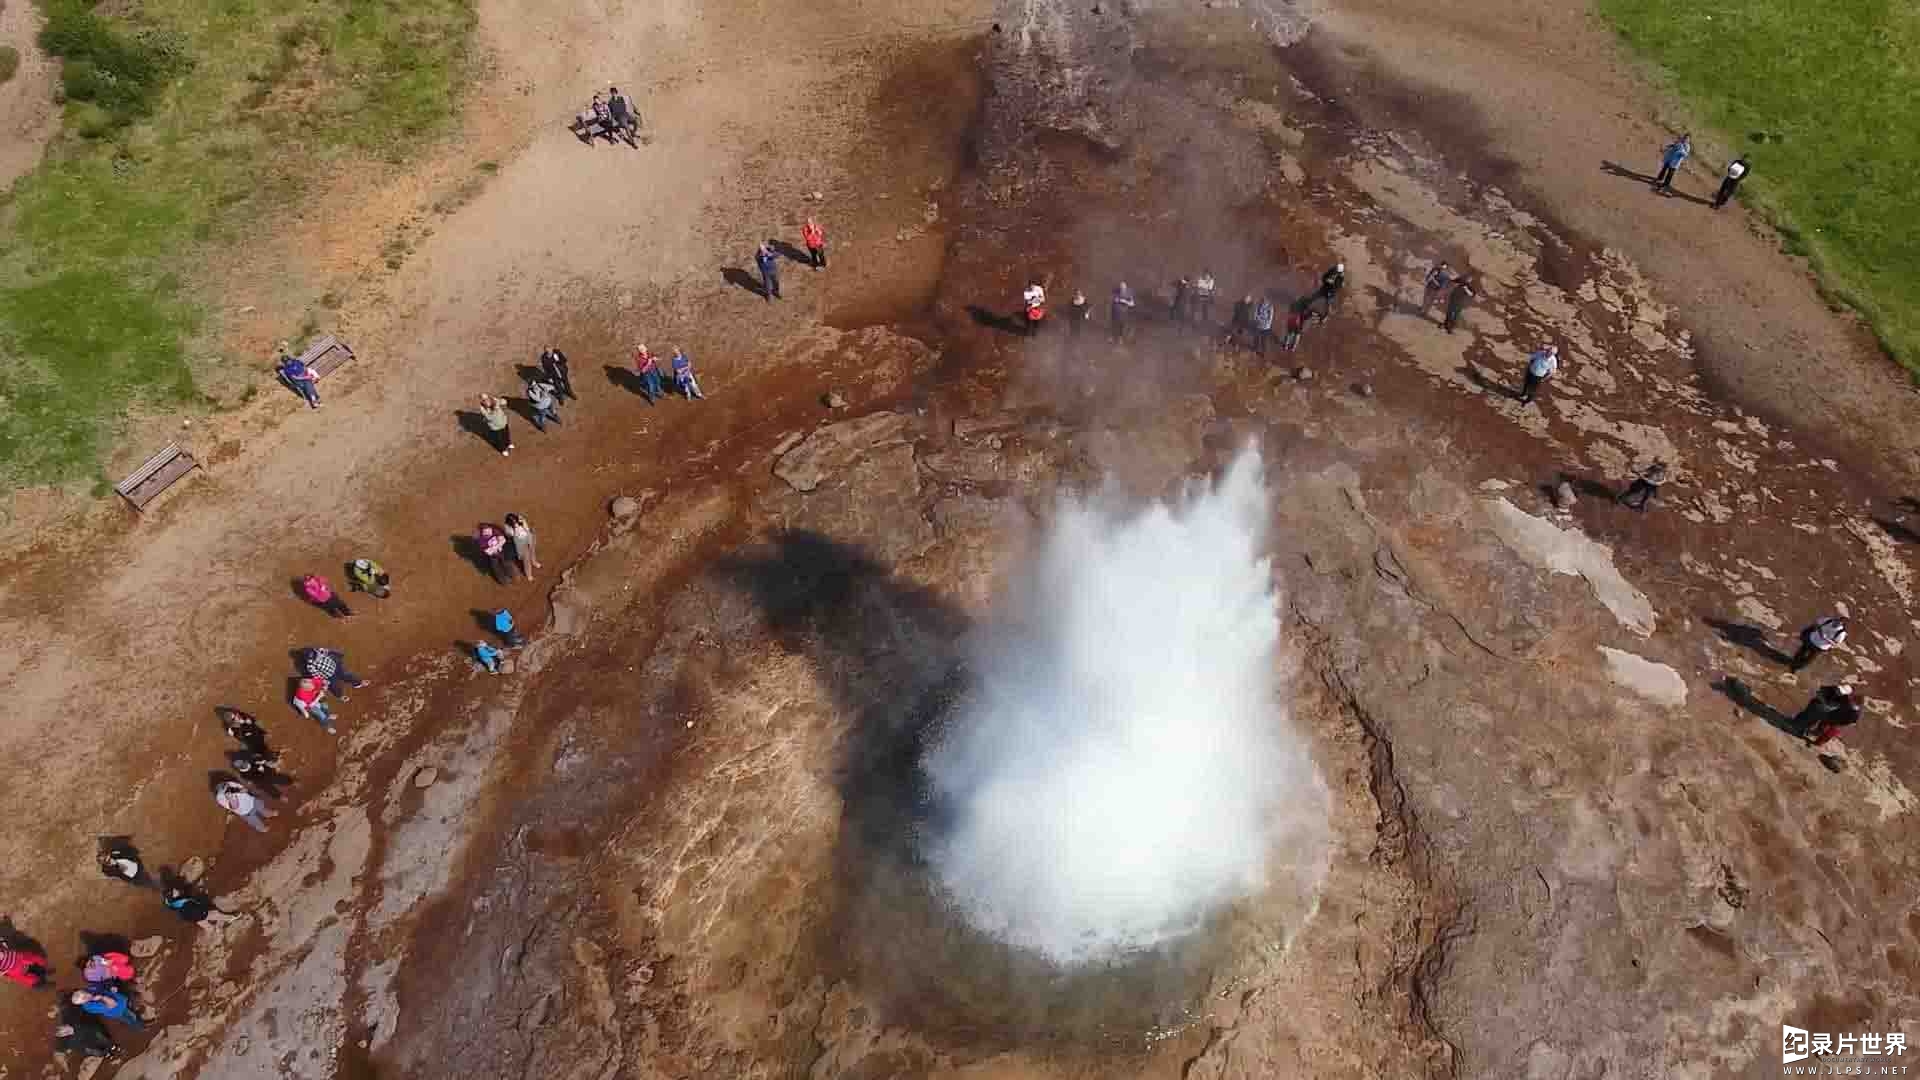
[{"x": 493, "y": 413}]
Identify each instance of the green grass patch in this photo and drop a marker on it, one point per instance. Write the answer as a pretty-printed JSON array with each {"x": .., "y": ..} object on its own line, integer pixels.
[
  {"x": 9, "y": 62},
  {"x": 1825, "y": 103},
  {"x": 187, "y": 122}
]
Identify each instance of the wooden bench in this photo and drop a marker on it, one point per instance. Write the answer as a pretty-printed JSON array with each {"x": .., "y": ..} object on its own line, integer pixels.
[
  {"x": 324, "y": 355},
  {"x": 156, "y": 476}
]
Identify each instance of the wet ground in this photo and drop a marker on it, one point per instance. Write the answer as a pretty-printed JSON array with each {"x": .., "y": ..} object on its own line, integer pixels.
[{"x": 675, "y": 840}]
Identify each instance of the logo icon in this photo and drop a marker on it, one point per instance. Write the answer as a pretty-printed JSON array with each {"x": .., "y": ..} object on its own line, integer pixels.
[{"x": 1793, "y": 1044}]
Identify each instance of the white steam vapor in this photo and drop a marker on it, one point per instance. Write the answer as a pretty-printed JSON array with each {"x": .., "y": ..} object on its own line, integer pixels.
[{"x": 1125, "y": 765}]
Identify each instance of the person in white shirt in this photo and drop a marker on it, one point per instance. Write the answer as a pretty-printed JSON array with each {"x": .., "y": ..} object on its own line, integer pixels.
[
  {"x": 234, "y": 798},
  {"x": 1540, "y": 365},
  {"x": 1034, "y": 301},
  {"x": 1818, "y": 640},
  {"x": 1736, "y": 172}
]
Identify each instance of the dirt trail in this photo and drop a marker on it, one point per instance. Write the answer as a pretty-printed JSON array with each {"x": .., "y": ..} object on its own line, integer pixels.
[{"x": 28, "y": 117}]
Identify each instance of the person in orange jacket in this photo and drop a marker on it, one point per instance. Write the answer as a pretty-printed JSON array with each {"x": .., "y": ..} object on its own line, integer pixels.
[{"x": 815, "y": 238}]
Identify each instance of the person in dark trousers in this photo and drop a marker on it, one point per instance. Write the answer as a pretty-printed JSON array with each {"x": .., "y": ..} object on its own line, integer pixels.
[
  {"x": 493, "y": 547},
  {"x": 190, "y": 904},
  {"x": 683, "y": 377},
  {"x": 1824, "y": 636},
  {"x": 543, "y": 402},
  {"x": 1331, "y": 284},
  {"x": 237, "y": 799},
  {"x": 769, "y": 266},
  {"x": 1204, "y": 288},
  {"x": 243, "y": 728},
  {"x": 1296, "y": 325},
  {"x": 24, "y": 966},
  {"x": 1078, "y": 313},
  {"x": 321, "y": 595},
  {"x": 302, "y": 379},
  {"x": 260, "y": 770},
  {"x": 108, "y": 1005},
  {"x": 1671, "y": 158},
  {"x": 79, "y": 1033},
  {"x": 122, "y": 863},
  {"x": 493, "y": 414},
  {"x": 1540, "y": 366},
  {"x": 1457, "y": 303},
  {"x": 331, "y": 665},
  {"x": 503, "y": 625},
  {"x": 1438, "y": 279},
  {"x": 1645, "y": 487},
  {"x": 1120, "y": 310},
  {"x": 1832, "y": 708},
  {"x": 553, "y": 367},
  {"x": 1177, "y": 311},
  {"x": 1240, "y": 324},
  {"x": 520, "y": 534},
  {"x": 815, "y": 237},
  {"x": 648, "y": 369},
  {"x": 1262, "y": 324},
  {"x": 620, "y": 111},
  {"x": 1730, "y": 183},
  {"x": 367, "y": 576}
]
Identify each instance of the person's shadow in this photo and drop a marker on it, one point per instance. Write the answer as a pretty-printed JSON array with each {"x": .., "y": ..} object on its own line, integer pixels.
[
  {"x": 1742, "y": 695},
  {"x": 1592, "y": 489},
  {"x": 265, "y": 777},
  {"x": 1479, "y": 379},
  {"x": 465, "y": 546},
  {"x": 1752, "y": 638},
  {"x": 788, "y": 251},
  {"x": 474, "y": 424},
  {"x": 1897, "y": 529},
  {"x": 1006, "y": 324},
  {"x": 17, "y": 938},
  {"x": 1614, "y": 168},
  {"x": 733, "y": 275},
  {"x": 93, "y": 943},
  {"x": 625, "y": 378},
  {"x": 1392, "y": 302}
]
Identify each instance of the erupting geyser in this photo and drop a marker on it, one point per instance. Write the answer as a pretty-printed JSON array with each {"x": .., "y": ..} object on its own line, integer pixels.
[{"x": 1124, "y": 765}]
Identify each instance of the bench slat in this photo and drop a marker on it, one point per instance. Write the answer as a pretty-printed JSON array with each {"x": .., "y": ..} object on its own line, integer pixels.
[
  {"x": 155, "y": 475},
  {"x": 325, "y": 355}
]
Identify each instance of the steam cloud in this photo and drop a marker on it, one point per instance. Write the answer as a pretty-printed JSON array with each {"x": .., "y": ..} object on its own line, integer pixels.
[{"x": 1125, "y": 766}]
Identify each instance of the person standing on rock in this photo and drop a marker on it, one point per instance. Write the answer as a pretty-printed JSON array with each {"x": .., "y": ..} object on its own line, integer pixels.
[
  {"x": 1120, "y": 310},
  {"x": 309, "y": 700},
  {"x": 1824, "y": 636},
  {"x": 1832, "y": 708},
  {"x": 1645, "y": 487},
  {"x": 1438, "y": 279},
  {"x": 1457, "y": 303},
  {"x": 1540, "y": 366},
  {"x": 648, "y": 369},
  {"x": 1033, "y": 303},
  {"x": 1730, "y": 183},
  {"x": 1331, "y": 284},
  {"x": 493, "y": 414},
  {"x": 1078, "y": 313},
  {"x": 321, "y": 595},
  {"x": 769, "y": 266},
  {"x": 24, "y": 966},
  {"x": 683, "y": 379},
  {"x": 553, "y": 367},
  {"x": 815, "y": 238},
  {"x": 521, "y": 534},
  {"x": 1671, "y": 158},
  {"x": 1204, "y": 288},
  {"x": 331, "y": 665},
  {"x": 1262, "y": 325}
]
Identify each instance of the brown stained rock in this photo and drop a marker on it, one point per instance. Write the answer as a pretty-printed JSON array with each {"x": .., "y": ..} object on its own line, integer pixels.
[
  {"x": 624, "y": 507},
  {"x": 426, "y": 778},
  {"x": 831, "y": 449},
  {"x": 147, "y": 947}
]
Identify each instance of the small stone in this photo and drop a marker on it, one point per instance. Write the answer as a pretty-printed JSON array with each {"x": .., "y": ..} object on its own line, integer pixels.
[
  {"x": 1364, "y": 389},
  {"x": 816, "y": 196},
  {"x": 147, "y": 947},
  {"x": 834, "y": 399},
  {"x": 1563, "y": 495},
  {"x": 624, "y": 507},
  {"x": 1304, "y": 374},
  {"x": 426, "y": 778},
  {"x": 193, "y": 869}
]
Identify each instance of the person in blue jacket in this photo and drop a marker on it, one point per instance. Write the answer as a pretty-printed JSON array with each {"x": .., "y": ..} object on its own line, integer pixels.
[{"x": 1674, "y": 156}]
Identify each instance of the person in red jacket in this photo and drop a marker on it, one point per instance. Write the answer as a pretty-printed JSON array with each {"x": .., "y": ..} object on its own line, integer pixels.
[
  {"x": 815, "y": 238},
  {"x": 23, "y": 965},
  {"x": 323, "y": 597}
]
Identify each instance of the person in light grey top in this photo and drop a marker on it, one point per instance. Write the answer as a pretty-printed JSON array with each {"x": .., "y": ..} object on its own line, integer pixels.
[
  {"x": 521, "y": 534},
  {"x": 1817, "y": 640},
  {"x": 1539, "y": 366}
]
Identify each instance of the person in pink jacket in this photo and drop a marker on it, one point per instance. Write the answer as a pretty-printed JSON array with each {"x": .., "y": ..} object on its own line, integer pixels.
[{"x": 321, "y": 595}]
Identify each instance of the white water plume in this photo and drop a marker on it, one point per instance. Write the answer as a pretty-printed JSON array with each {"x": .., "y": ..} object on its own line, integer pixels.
[{"x": 1125, "y": 765}]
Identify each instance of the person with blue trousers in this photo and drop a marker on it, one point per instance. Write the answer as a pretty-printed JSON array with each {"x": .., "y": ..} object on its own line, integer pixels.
[
  {"x": 769, "y": 265},
  {"x": 1674, "y": 156},
  {"x": 108, "y": 1004}
]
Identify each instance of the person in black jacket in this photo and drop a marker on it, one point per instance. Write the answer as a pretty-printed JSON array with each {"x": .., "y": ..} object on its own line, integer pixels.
[
  {"x": 553, "y": 365},
  {"x": 1331, "y": 283},
  {"x": 1242, "y": 322},
  {"x": 1736, "y": 172},
  {"x": 81, "y": 1034},
  {"x": 1832, "y": 708}
]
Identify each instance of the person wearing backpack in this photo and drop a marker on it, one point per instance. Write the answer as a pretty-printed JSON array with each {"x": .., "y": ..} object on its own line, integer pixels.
[
  {"x": 234, "y": 797},
  {"x": 1736, "y": 172},
  {"x": 321, "y": 595}
]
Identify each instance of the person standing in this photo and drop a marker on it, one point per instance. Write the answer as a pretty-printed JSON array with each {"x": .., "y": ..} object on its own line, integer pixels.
[
  {"x": 321, "y": 595},
  {"x": 815, "y": 237},
  {"x": 1033, "y": 303},
  {"x": 1177, "y": 311},
  {"x": 1457, "y": 303},
  {"x": 1824, "y": 636},
  {"x": 546, "y": 409},
  {"x": 243, "y": 728},
  {"x": 1119, "y": 310},
  {"x": 1645, "y": 487},
  {"x": 369, "y": 577},
  {"x": 1078, "y": 313},
  {"x": 769, "y": 266},
  {"x": 493, "y": 547},
  {"x": 330, "y": 665},
  {"x": 191, "y": 905},
  {"x": 1262, "y": 325},
  {"x": 79, "y": 1033},
  {"x": 122, "y": 863},
  {"x": 24, "y": 966},
  {"x": 553, "y": 365},
  {"x": 309, "y": 700},
  {"x": 1542, "y": 364},
  {"x": 503, "y": 625},
  {"x": 1203, "y": 290},
  {"x": 1730, "y": 183},
  {"x": 493, "y": 413},
  {"x": 683, "y": 379},
  {"x": 235, "y": 798},
  {"x": 301, "y": 378},
  {"x": 521, "y": 534},
  {"x": 1331, "y": 284},
  {"x": 109, "y": 1004},
  {"x": 1296, "y": 325},
  {"x": 1241, "y": 323},
  {"x": 648, "y": 369},
  {"x": 487, "y": 657},
  {"x": 1438, "y": 278},
  {"x": 1830, "y": 709},
  {"x": 620, "y": 111},
  {"x": 1671, "y": 158}
]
